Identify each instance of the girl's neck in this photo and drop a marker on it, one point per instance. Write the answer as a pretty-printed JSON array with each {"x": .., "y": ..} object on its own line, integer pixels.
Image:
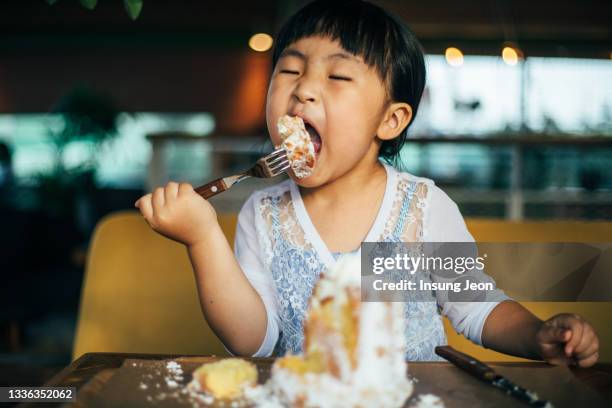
[{"x": 366, "y": 176}]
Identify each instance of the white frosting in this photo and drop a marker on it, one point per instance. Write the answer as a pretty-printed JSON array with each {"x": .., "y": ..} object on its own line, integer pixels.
[
  {"x": 344, "y": 276},
  {"x": 427, "y": 401}
]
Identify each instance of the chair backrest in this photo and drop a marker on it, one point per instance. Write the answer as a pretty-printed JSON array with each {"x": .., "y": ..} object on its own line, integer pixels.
[
  {"x": 497, "y": 230},
  {"x": 139, "y": 293}
]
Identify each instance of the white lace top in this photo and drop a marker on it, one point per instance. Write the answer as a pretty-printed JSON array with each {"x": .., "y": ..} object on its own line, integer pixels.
[{"x": 282, "y": 255}]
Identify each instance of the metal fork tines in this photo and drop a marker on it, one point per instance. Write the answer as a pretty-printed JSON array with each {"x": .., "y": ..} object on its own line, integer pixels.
[
  {"x": 268, "y": 166},
  {"x": 271, "y": 165}
]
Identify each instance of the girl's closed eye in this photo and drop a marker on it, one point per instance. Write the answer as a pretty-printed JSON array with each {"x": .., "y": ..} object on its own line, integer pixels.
[
  {"x": 289, "y": 71},
  {"x": 340, "y": 77}
]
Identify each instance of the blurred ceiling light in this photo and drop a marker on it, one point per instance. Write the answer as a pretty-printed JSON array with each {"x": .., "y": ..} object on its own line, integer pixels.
[
  {"x": 260, "y": 42},
  {"x": 454, "y": 56},
  {"x": 510, "y": 55}
]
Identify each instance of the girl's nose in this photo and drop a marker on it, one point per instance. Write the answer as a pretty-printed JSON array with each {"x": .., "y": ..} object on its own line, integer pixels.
[{"x": 305, "y": 91}]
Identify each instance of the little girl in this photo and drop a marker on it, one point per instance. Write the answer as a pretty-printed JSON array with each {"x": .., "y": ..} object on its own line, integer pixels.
[{"x": 355, "y": 75}]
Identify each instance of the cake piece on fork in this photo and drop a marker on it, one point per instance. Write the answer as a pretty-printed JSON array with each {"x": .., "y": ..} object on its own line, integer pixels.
[{"x": 296, "y": 141}]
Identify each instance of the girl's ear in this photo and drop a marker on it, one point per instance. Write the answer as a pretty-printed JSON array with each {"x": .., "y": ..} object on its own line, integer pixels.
[{"x": 397, "y": 117}]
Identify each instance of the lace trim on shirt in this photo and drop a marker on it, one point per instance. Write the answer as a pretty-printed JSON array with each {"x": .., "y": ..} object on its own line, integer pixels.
[
  {"x": 294, "y": 265},
  {"x": 406, "y": 221},
  {"x": 278, "y": 211}
]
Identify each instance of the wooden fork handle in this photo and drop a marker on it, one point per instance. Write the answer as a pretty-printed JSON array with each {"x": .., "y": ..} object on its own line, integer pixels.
[{"x": 212, "y": 189}]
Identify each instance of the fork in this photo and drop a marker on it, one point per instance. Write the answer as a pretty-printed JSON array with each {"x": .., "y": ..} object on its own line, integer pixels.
[{"x": 268, "y": 166}]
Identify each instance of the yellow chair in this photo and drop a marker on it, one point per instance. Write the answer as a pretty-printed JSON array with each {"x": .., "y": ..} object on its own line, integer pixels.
[
  {"x": 599, "y": 314},
  {"x": 139, "y": 293}
]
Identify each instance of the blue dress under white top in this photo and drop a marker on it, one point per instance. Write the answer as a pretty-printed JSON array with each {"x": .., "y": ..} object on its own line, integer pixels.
[{"x": 282, "y": 255}]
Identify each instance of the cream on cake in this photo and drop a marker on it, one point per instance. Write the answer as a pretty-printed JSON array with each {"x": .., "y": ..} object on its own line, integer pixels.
[
  {"x": 298, "y": 144},
  {"x": 353, "y": 352}
]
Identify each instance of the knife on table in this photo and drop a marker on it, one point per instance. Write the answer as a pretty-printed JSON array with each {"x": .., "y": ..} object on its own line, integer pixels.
[{"x": 485, "y": 373}]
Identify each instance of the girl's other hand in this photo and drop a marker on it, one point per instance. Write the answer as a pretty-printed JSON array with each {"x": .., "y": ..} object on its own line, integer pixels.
[
  {"x": 568, "y": 339},
  {"x": 177, "y": 212}
]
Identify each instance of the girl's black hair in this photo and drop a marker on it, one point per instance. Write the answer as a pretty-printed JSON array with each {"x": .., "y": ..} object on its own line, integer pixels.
[{"x": 368, "y": 31}]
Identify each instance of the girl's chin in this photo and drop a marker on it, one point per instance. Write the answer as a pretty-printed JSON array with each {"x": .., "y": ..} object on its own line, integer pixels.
[
  {"x": 310, "y": 181},
  {"x": 306, "y": 182}
]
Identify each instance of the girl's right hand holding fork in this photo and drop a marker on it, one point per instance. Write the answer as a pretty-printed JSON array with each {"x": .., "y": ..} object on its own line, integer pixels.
[
  {"x": 177, "y": 212},
  {"x": 226, "y": 296}
]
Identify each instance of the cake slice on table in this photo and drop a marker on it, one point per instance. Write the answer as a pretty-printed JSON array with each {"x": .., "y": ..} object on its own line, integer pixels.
[
  {"x": 224, "y": 379},
  {"x": 353, "y": 354},
  {"x": 353, "y": 351}
]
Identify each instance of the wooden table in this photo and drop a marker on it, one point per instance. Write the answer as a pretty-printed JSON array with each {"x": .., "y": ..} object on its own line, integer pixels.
[{"x": 100, "y": 367}]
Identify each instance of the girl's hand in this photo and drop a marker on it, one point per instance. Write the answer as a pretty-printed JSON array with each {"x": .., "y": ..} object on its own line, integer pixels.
[
  {"x": 568, "y": 339},
  {"x": 178, "y": 212}
]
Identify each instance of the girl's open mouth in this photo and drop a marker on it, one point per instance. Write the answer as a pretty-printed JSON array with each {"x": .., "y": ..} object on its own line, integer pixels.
[{"x": 315, "y": 138}]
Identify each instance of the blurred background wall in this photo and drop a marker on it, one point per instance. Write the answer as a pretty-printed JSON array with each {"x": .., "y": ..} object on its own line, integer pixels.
[{"x": 97, "y": 108}]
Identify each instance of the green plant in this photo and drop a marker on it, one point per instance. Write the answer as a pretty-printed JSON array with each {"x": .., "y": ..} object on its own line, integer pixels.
[
  {"x": 132, "y": 7},
  {"x": 87, "y": 118}
]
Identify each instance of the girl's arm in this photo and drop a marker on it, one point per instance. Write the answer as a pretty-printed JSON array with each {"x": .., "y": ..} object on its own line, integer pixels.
[
  {"x": 509, "y": 327},
  {"x": 562, "y": 339},
  {"x": 231, "y": 306}
]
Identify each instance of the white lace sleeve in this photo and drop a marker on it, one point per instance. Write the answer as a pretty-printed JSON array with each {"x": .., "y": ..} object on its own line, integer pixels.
[
  {"x": 445, "y": 224},
  {"x": 249, "y": 256}
]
